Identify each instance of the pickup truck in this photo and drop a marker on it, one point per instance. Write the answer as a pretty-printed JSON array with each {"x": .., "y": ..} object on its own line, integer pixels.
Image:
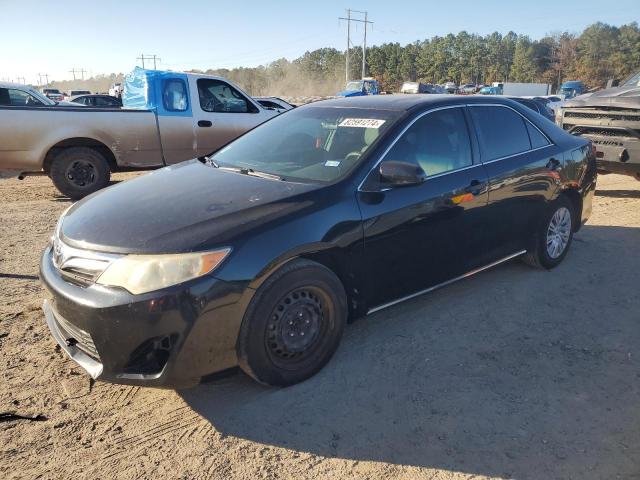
[
  {"x": 610, "y": 118},
  {"x": 360, "y": 88},
  {"x": 167, "y": 117}
]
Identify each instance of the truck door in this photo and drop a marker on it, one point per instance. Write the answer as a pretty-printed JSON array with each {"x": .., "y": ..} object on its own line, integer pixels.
[
  {"x": 222, "y": 113},
  {"x": 174, "y": 114}
]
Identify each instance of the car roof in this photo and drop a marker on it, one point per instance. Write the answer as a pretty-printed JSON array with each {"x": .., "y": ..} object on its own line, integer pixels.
[
  {"x": 14, "y": 85},
  {"x": 401, "y": 102}
]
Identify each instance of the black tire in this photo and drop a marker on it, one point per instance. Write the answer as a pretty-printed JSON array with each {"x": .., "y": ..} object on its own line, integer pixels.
[
  {"x": 78, "y": 171},
  {"x": 539, "y": 255},
  {"x": 303, "y": 297}
]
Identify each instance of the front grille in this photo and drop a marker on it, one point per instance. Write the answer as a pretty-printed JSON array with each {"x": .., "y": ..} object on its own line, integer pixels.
[
  {"x": 602, "y": 115},
  {"x": 600, "y": 131},
  {"x": 79, "y": 266},
  {"x": 76, "y": 336}
]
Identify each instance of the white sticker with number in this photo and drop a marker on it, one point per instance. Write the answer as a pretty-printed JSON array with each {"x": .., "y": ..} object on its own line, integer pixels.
[{"x": 362, "y": 122}]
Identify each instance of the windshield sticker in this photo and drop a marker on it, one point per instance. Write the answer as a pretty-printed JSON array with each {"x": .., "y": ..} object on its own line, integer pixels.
[
  {"x": 332, "y": 163},
  {"x": 362, "y": 122}
]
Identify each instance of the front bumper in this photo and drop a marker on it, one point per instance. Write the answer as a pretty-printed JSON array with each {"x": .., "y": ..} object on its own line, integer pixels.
[{"x": 169, "y": 338}]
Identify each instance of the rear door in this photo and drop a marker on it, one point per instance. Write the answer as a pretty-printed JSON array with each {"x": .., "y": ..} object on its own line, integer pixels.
[
  {"x": 421, "y": 235},
  {"x": 523, "y": 168},
  {"x": 222, "y": 113}
]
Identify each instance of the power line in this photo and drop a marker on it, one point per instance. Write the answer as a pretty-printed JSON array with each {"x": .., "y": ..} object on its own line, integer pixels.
[
  {"x": 153, "y": 57},
  {"x": 365, "y": 21},
  {"x": 81, "y": 71},
  {"x": 46, "y": 77}
]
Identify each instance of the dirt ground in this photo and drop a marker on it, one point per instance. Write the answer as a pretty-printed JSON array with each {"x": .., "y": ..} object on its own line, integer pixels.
[{"x": 514, "y": 373}]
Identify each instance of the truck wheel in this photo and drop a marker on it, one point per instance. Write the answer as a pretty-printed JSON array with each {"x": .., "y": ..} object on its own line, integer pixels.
[
  {"x": 293, "y": 325},
  {"x": 553, "y": 238},
  {"x": 79, "y": 171}
]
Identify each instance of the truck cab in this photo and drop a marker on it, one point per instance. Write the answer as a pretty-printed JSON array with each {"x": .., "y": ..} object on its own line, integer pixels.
[
  {"x": 360, "y": 88},
  {"x": 571, "y": 88}
]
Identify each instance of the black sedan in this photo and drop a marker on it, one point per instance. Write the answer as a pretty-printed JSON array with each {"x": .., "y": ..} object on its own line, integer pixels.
[
  {"x": 97, "y": 101},
  {"x": 258, "y": 255}
]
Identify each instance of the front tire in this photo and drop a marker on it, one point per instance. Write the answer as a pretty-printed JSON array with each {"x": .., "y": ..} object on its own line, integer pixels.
[
  {"x": 76, "y": 172},
  {"x": 553, "y": 238},
  {"x": 293, "y": 325}
]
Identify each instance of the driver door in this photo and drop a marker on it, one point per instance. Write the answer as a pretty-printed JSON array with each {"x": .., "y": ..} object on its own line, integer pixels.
[
  {"x": 222, "y": 113},
  {"x": 421, "y": 235}
]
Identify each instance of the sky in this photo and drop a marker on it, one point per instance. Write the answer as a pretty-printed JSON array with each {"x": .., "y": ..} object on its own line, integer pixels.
[{"x": 102, "y": 37}]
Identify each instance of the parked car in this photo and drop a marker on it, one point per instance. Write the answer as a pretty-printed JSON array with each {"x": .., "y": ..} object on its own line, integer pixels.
[
  {"x": 168, "y": 117},
  {"x": 610, "y": 118},
  {"x": 467, "y": 88},
  {"x": 537, "y": 105},
  {"x": 553, "y": 102},
  {"x": 572, "y": 88},
  {"x": 19, "y": 95},
  {"x": 54, "y": 94},
  {"x": 490, "y": 91},
  {"x": 258, "y": 256},
  {"x": 416, "y": 87},
  {"x": 359, "y": 88},
  {"x": 450, "y": 87},
  {"x": 274, "y": 102},
  {"x": 97, "y": 101}
]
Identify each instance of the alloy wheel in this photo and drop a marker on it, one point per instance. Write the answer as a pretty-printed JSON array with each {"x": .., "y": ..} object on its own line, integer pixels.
[{"x": 558, "y": 232}]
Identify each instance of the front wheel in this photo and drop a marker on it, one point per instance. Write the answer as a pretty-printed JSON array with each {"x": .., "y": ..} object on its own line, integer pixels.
[
  {"x": 293, "y": 325},
  {"x": 554, "y": 236}
]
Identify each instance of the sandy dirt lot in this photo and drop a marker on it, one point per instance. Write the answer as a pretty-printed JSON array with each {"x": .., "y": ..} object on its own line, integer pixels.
[{"x": 514, "y": 373}]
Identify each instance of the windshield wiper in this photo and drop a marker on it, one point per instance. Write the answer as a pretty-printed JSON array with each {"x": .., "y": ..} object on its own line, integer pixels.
[
  {"x": 256, "y": 173},
  {"x": 247, "y": 171}
]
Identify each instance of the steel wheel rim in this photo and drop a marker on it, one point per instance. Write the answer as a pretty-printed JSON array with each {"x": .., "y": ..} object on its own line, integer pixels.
[
  {"x": 81, "y": 173},
  {"x": 297, "y": 325},
  {"x": 558, "y": 232}
]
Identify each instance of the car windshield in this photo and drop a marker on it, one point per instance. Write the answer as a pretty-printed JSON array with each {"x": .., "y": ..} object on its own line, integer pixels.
[
  {"x": 309, "y": 144},
  {"x": 354, "y": 86},
  {"x": 633, "y": 81}
]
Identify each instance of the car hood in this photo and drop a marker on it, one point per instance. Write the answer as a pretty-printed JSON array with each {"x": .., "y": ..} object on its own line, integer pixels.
[
  {"x": 621, "y": 97},
  {"x": 185, "y": 207}
]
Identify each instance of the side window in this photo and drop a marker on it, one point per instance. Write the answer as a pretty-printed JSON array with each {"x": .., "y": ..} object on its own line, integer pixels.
[
  {"x": 218, "y": 96},
  {"x": 20, "y": 98},
  {"x": 501, "y": 132},
  {"x": 537, "y": 139},
  {"x": 438, "y": 142},
  {"x": 174, "y": 95},
  {"x": 104, "y": 102}
]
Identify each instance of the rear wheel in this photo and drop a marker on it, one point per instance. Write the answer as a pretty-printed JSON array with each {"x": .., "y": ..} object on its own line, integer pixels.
[
  {"x": 294, "y": 324},
  {"x": 553, "y": 238},
  {"x": 79, "y": 171}
]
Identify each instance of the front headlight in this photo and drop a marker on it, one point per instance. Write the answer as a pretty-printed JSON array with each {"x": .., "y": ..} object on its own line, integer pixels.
[{"x": 145, "y": 273}]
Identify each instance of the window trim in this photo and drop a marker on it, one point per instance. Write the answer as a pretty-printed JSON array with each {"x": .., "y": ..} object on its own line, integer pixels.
[
  {"x": 251, "y": 104},
  {"x": 185, "y": 90},
  {"x": 525, "y": 119},
  {"x": 403, "y": 131}
]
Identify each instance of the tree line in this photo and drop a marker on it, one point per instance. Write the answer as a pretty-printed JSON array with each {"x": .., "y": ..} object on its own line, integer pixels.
[{"x": 597, "y": 54}]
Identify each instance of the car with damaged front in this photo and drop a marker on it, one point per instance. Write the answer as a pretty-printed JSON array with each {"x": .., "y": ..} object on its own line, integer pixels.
[
  {"x": 610, "y": 119},
  {"x": 258, "y": 256}
]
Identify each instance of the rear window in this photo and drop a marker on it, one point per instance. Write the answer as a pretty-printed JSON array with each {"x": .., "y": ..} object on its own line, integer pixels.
[{"x": 501, "y": 132}]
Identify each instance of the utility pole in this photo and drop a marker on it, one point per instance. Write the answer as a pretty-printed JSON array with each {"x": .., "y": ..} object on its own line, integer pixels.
[
  {"x": 46, "y": 78},
  {"x": 365, "y": 21},
  {"x": 24, "y": 82},
  {"x": 74, "y": 71},
  {"x": 153, "y": 57}
]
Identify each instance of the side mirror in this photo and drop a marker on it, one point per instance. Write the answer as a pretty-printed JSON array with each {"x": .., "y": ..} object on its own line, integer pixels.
[{"x": 401, "y": 173}]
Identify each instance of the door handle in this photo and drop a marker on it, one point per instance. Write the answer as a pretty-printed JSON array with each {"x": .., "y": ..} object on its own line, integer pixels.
[
  {"x": 204, "y": 123},
  {"x": 475, "y": 187},
  {"x": 553, "y": 164}
]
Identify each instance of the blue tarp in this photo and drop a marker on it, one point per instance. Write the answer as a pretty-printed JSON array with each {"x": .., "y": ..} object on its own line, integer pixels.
[{"x": 164, "y": 92}]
